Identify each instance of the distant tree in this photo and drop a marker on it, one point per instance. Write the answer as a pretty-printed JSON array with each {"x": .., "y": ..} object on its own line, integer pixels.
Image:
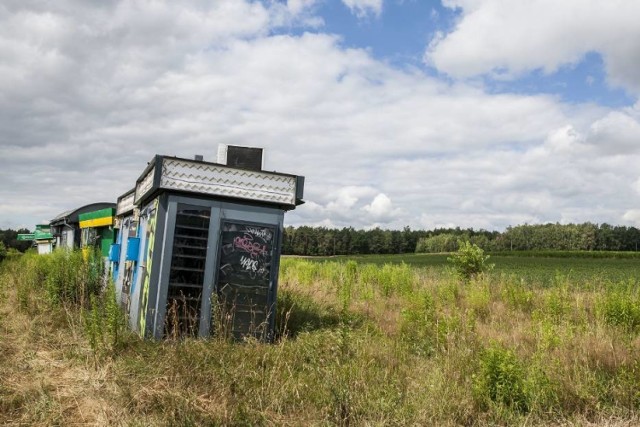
[
  {"x": 3, "y": 251},
  {"x": 444, "y": 242},
  {"x": 10, "y": 239}
]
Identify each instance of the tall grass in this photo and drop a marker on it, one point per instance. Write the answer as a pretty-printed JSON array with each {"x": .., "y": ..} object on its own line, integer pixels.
[
  {"x": 63, "y": 277},
  {"x": 69, "y": 281},
  {"x": 358, "y": 344},
  {"x": 526, "y": 350}
]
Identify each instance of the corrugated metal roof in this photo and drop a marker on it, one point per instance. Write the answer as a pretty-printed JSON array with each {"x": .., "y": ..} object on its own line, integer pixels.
[
  {"x": 72, "y": 215},
  {"x": 63, "y": 215}
]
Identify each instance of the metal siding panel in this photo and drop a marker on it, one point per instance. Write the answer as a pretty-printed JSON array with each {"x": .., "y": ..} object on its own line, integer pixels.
[
  {"x": 126, "y": 203},
  {"x": 144, "y": 186},
  {"x": 209, "y": 274},
  {"x": 98, "y": 222},
  {"x": 156, "y": 269},
  {"x": 164, "y": 269},
  {"x": 149, "y": 214},
  {"x": 273, "y": 292},
  {"x": 217, "y": 180},
  {"x": 163, "y": 250}
]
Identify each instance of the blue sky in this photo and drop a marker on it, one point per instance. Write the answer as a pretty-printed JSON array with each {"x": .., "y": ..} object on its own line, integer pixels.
[
  {"x": 403, "y": 29},
  {"x": 398, "y": 35},
  {"x": 470, "y": 113}
]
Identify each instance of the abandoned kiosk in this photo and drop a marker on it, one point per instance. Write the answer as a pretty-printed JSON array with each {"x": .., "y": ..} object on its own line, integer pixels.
[{"x": 200, "y": 241}]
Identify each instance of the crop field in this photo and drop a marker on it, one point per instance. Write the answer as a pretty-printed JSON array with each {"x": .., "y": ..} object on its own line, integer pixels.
[
  {"x": 534, "y": 268},
  {"x": 395, "y": 340}
]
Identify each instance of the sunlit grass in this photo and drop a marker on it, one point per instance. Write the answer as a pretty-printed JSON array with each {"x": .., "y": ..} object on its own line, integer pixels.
[{"x": 359, "y": 343}]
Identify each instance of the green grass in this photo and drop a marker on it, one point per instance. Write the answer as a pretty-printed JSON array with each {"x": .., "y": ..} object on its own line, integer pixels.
[
  {"x": 361, "y": 341},
  {"x": 544, "y": 268}
]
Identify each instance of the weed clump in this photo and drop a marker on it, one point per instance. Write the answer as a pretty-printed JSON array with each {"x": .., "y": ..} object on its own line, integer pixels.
[
  {"x": 501, "y": 379},
  {"x": 620, "y": 308},
  {"x": 69, "y": 278}
]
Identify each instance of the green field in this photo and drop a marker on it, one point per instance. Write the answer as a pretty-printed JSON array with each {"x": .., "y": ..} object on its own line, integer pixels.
[
  {"x": 542, "y": 269},
  {"x": 390, "y": 340}
]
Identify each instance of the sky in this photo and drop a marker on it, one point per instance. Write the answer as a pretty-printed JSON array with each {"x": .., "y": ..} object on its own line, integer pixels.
[{"x": 420, "y": 113}]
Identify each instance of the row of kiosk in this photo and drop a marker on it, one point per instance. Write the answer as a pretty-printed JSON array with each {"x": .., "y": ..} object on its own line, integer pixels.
[{"x": 194, "y": 247}]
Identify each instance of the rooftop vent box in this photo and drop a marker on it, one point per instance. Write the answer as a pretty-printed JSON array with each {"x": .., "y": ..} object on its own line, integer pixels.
[{"x": 241, "y": 157}]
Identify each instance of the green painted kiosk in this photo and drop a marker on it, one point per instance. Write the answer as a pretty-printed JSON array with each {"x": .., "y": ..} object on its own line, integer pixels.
[
  {"x": 96, "y": 230},
  {"x": 42, "y": 237}
]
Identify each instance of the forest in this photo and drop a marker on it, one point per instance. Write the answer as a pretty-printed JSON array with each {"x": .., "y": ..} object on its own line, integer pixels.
[{"x": 322, "y": 241}]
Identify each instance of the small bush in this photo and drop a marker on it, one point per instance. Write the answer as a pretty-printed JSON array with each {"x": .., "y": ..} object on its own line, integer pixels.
[
  {"x": 469, "y": 261},
  {"x": 501, "y": 379}
]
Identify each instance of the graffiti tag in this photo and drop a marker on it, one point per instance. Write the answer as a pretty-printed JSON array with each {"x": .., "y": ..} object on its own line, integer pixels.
[
  {"x": 262, "y": 233},
  {"x": 247, "y": 245},
  {"x": 249, "y": 264}
]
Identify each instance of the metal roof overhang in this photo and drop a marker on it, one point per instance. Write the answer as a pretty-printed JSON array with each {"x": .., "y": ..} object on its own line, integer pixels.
[{"x": 164, "y": 173}]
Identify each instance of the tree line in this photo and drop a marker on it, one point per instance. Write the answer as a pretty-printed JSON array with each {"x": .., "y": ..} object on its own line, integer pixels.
[
  {"x": 9, "y": 238},
  {"x": 9, "y": 241},
  {"x": 572, "y": 237},
  {"x": 323, "y": 241}
]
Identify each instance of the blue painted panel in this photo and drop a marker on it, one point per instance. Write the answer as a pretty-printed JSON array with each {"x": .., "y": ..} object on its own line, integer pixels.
[
  {"x": 133, "y": 248},
  {"x": 114, "y": 252}
]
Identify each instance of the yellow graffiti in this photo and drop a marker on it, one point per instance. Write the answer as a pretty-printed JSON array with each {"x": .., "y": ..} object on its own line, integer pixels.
[{"x": 151, "y": 232}]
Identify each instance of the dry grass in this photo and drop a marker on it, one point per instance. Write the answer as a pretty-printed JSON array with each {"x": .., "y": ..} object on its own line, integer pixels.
[
  {"x": 355, "y": 352},
  {"x": 44, "y": 374}
]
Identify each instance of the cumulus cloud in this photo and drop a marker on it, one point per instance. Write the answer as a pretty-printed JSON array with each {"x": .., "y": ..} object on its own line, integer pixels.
[
  {"x": 381, "y": 209},
  {"x": 362, "y": 8},
  {"x": 616, "y": 133},
  {"x": 89, "y": 93},
  {"x": 632, "y": 217},
  {"x": 505, "y": 38},
  {"x": 340, "y": 207}
]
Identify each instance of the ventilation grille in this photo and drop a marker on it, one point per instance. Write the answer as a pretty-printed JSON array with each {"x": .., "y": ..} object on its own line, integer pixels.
[{"x": 241, "y": 157}]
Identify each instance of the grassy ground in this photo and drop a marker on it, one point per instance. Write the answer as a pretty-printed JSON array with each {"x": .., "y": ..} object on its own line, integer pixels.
[
  {"x": 540, "y": 268},
  {"x": 359, "y": 344}
]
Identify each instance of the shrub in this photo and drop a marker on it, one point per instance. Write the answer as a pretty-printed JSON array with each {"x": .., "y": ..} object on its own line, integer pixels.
[
  {"x": 418, "y": 326},
  {"x": 501, "y": 379},
  {"x": 104, "y": 321},
  {"x": 621, "y": 309},
  {"x": 469, "y": 261}
]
